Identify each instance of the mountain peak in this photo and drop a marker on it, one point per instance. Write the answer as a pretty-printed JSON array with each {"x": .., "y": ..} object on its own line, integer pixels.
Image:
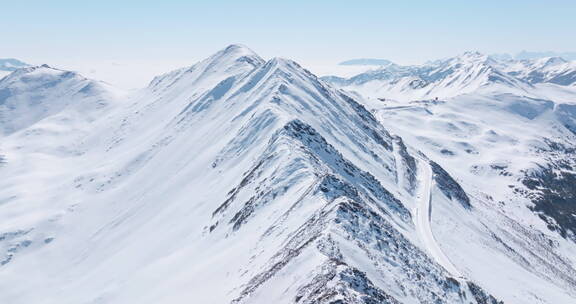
[
  {"x": 237, "y": 50},
  {"x": 43, "y": 72},
  {"x": 472, "y": 53},
  {"x": 236, "y": 46},
  {"x": 473, "y": 56},
  {"x": 233, "y": 60},
  {"x": 280, "y": 61},
  {"x": 233, "y": 54},
  {"x": 554, "y": 60}
]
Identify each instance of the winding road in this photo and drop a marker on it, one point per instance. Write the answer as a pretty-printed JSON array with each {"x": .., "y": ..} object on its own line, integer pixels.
[{"x": 423, "y": 218}]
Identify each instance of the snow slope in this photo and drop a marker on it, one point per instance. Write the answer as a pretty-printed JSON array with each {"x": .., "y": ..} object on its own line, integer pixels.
[
  {"x": 544, "y": 70},
  {"x": 241, "y": 180},
  {"x": 498, "y": 146},
  {"x": 423, "y": 217},
  {"x": 31, "y": 94}
]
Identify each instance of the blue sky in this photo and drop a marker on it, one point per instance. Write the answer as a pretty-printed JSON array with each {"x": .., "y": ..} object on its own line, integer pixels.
[{"x": 311, "y": 32}]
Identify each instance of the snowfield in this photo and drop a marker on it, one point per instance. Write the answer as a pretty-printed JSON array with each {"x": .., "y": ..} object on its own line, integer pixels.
[
  {"x": 423, "y": 217},
  {"x": 244, "y": 180}
]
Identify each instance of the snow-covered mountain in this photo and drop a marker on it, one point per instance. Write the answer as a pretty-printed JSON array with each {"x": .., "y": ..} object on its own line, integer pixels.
[
  {"x": 241, "y": 180},
  {"x": 31, "y": 94},
  {"x": 544, "y": 70},
  {"x": 467, "y": 73}
]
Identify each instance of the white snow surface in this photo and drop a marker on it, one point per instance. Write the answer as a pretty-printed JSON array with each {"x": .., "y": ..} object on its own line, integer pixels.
[
  {"x": 423, "y": 214},
  {"x": 241, "y": 180},
  {"x": 488, "y": 140}
]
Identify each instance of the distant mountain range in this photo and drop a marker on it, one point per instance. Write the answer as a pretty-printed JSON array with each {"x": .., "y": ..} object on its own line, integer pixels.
[
  {"x": 518, "y": 56},
  {"x": 466, "y": 73},
  {"x": 536, "y": 55}
]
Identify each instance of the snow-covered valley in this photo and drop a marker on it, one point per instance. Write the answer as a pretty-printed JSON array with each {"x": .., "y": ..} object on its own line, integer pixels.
[{"x": 244, "y": 180}]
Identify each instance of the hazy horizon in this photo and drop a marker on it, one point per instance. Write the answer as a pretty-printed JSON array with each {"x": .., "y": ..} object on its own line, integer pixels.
[{"x": 107, "y": 39}]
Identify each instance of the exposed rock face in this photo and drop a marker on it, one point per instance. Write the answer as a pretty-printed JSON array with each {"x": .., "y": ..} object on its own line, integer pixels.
[
  {"x": 449, "y": 186},
  {"x": 554, "y": 197}
]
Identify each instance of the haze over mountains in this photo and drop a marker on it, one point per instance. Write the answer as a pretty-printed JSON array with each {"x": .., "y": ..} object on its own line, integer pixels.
[
  {"x": 245, "y": 180},
  {"x": 537, "y": 55},
  {"x": 523, "y": 55}
]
